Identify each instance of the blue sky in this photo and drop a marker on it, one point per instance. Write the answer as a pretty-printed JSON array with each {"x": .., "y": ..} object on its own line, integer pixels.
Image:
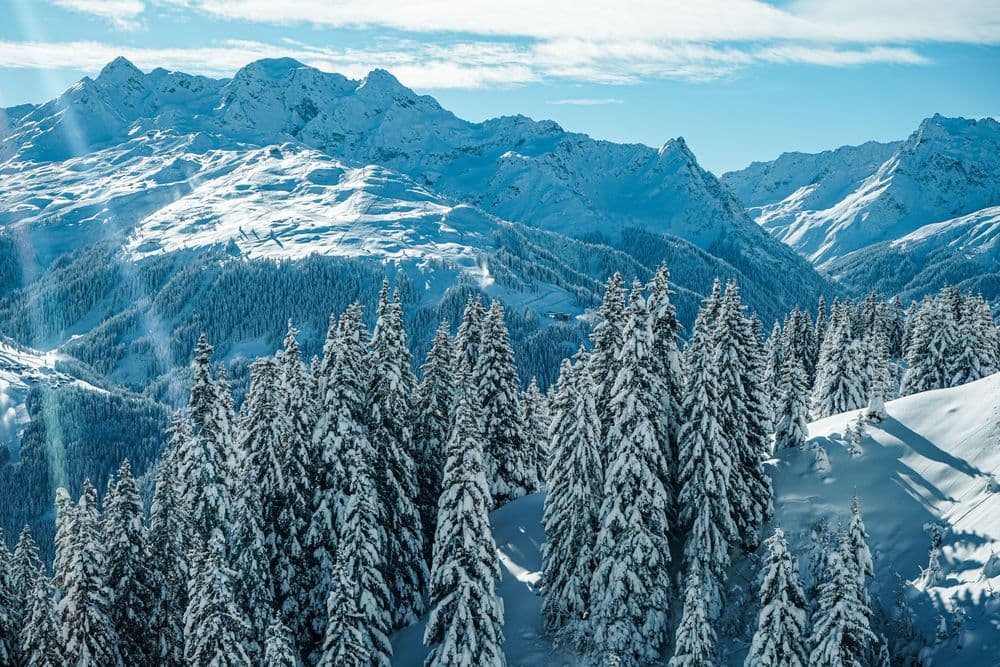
[{"x": 739, "y": 79}]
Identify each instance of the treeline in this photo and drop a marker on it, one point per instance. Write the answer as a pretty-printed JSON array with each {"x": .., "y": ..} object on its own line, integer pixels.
[{"x": 346, "y": 498}]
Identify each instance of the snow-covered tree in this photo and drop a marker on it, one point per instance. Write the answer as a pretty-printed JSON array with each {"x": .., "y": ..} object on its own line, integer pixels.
[
  {"x": 511, "y": 469},
  {"x": 344, "y": 642},
  {"x": 535, "y": 416},
  {"x": 9, "y": 608},
  {"x": 24, "y": 568},
  {"x": 466, "y": 620},
  {"x": 630, "y": 589},
  {"x": 215, "y": 627},
  {"x": 665, "y": 330},
  {"x": 131, "y": 580},
  {"x": 88, "y": 635},
  {"x": 435, "y": 397},
  {"x": 933, "y": 344},
  {"x": 279, "y": 648},
  {"x": 799, "y": 340},
  {"x": 254, "y": 589},
  {"x": 575, "y": 488},
  {"x": 606, "y": 338},
  {"x": 470, "y": 333},
  {"x": 841, "y": 634},
  {"x": 840, "y": 379},
  {"x": 168, "y": 541},
  {"x": 782, "y": 632},
  {"x": 695, "y": 641},
  {"x": 857, "y": 540},
  {"x": 791, "y": 428},
  {"x": 40, "y": 641},
  {"x": 390, "y": 390},
  {"x": 65, "y": 533}
]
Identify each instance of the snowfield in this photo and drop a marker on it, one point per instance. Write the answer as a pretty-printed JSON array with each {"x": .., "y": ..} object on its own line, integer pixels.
[{"x": 929, "y": 461}]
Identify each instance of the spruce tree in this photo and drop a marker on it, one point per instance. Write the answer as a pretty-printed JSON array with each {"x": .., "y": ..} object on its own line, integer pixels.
[
  {"x": 470, "y": 333},
  {"x": 435, "y": 397},
  {"x": 254, "y": 589},
  {"x": 780, "y": 639},
  {"x": 24, "y": 569},
  {"x": 9, "y": 610},
  {"x": 390, "y": 389},
  {"x": 791, "y": 429},
  {"x": 88, "y": 635},
  {"x": 934, "y": 344},
  {"x": 344, "y": 642},
  {"x": 279, "y": 649},
  {"x": 535, "y": 416},
  {"x": 130, "y": 578},
  {"x": 630, "y": 588},
  {"x": 169, "y": 540},
  {"x": 40, "y": 641},
  {"x": 840, "y": 381},
  {"x": 857, "y": 540},
  {"x": 465, "y": 626},
  {"x": 215, "y": 627},
  {"x": 695, "y": 642},
  {"x": 841, "y": 634},
  {"x": 575, "y": 488},
  {"x": 606, "y": 338},
  {"x": 508, "y": 456},
  {"x": 665, "y": 330},
  {"x": 65, "y": 533}
]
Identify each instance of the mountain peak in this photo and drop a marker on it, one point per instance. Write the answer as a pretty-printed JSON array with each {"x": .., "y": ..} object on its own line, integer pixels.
[
  {"x": 119, "y": 69},
  {"x": 271, "y": 68}
]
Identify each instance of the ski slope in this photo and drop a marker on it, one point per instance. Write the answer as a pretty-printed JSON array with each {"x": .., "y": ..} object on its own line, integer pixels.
[{"x": 929, "y": 461}]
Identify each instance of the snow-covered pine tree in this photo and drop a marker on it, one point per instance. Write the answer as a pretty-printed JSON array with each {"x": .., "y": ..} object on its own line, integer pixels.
[
  {"x": 575, "y": 488},
  {"x": 976, "y": 356},
  {"x": 792, "y": 429},
  {"x": 840, "y": 381},
  {"x": 857, "y": 541},
  {"x": 841, "y": 632},
  {"x": 340, "y": 430},
  {"x": 606, "y": 339},
  {"x": 215, "y": 626},
  {"x": 877, "y": 374},
  {"x": 774, "y": 368},
  {"x": 798, "y": 339},
  {"x": 630, "y": 589},
  {"x": 743, "y": 417},
  {"x": 665, "y": 329},
  {"x": 9, "y": 611},
  {"x": 508, "y": 456},
  {"x": 344, "y": 643},
  {"x": 40, "y": 641},
  {"x": 821, "y": 322},
  {"x": 24, "y": 568},
  {"x": 695, "y": 640},
  {"x": 279, "y": 648},
  {"x": 390, "y": 389},
  {"x": 88, "y": 636},
  {"x": 782, "y": 631},
  {"x": 254, "y": 589},
  {"x": 465, "y": 626},
  {"x": 933, "y": 345},
  {"x": 470, "y": 333},
  {"x": 227, "y": 424},
  {"x": 205, "y": 456},
  {"x": 168, "y": 541},
  {"x": 360, "y": 548},
  {"x": 535, "y": 416},
  {"x": 435, "y": 397},
  {"x": 65, "y": 532},
  {"x": 131, "y": 580}
]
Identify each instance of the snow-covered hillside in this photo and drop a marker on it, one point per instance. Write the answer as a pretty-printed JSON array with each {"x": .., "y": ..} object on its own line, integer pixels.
[
  {"x": 930, "y": 461},
  {"x": 832, "y": 204}
]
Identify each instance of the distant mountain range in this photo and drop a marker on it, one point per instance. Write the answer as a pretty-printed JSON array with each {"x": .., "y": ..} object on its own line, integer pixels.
[{"x": 905, "y": 217}]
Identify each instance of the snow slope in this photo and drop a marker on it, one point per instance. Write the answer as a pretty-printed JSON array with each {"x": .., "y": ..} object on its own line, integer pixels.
[
  {"x": 831, "y": 204},
  {"x": 929, "y": 461}
]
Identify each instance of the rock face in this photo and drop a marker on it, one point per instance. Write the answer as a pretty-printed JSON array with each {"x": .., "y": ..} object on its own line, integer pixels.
[{"x": 922, "y": 205}]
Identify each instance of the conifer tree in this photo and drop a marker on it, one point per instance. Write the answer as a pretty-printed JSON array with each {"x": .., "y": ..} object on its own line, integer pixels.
[
  {"x": 344, "y": 642},
  {"x": 665, "y": 330},
  {"x": 933, "y": 346},
  {"x": 470, "y": 333},
  {"x": 841, "y": 634},
  {"x": 254, "y": 589},
  {"x": 433, "y": 423},
  {"x": 575, "y": 489},
  {"x": 279, "y": 649},
  {"x": 215, "y": 627},
  {"x": 791, "y": 429},
  {"x": 840, "y": 378},
  {"x": 799, "y": 340},
  {"x": 88, "y": 636},
  {"x": 465, "y": 626},
  {"x": 780, "y": 639},
  {"x": 390, "y": 388},
  {"x": 857, "y": 540},
  {"x": 341, "y": 429},
  {"x": 205, "y": 464},
  {"x": 169, "y": 540},
  {"x": 695, "y": 643},
  {"x": 508, "y": 456},
  {"x": 65, "y": 533},
  {"x": 40, "y": 642},
  {"x": 630, "y": 588},
  {"x": 130, "y": 579},
  {"x": 535, "y": 416},
  {"x": 9, "y": 611},
  {"x": 24, "y": 568},
  {"x": 606, "y": 338}
]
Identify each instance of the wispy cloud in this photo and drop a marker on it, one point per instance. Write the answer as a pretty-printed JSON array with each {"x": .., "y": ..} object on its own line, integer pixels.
[
  {"x": 588, "y": 101},
  {"x": 123, "y": 14}
]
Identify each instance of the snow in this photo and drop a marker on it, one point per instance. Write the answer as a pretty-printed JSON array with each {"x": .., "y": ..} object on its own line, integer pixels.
[{"x": 929, "y": 461}]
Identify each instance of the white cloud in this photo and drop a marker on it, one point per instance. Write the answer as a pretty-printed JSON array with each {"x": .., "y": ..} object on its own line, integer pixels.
[
  {"x": 863, "y": 21},
  {"x": 123, "y": 14},
  {"x": 588, "y": 101}
]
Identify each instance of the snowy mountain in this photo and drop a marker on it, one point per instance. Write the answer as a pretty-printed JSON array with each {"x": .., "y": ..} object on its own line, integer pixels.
[
  {"x": 930, "y": 461},
  {"x": 284, "y": 161},
  {"x": 832, "y": 204}
]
